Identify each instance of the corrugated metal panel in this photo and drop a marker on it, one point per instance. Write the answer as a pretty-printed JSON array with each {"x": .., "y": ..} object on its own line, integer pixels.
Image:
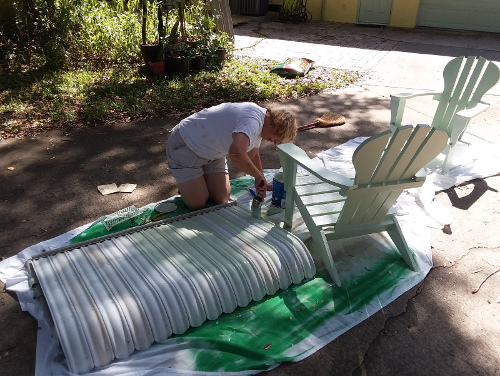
[{"x": 117, "y": 294}]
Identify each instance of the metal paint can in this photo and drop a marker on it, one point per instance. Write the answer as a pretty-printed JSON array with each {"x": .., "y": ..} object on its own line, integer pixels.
[{"x": 279, "y": 194}]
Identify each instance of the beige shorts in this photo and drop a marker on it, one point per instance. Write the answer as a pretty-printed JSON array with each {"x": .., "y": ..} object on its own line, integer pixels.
[{"x": 186, "y": 165}]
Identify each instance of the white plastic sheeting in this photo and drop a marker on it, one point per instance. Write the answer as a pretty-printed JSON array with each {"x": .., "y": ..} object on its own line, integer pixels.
[{"x": 109, "y": 297}]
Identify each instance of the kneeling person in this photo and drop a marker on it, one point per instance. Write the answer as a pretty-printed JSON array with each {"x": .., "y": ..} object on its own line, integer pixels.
[{"x": 197, "y": 148}]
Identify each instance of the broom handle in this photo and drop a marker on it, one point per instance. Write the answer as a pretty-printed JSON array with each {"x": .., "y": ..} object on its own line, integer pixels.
[{"x": 307, "y": 126}]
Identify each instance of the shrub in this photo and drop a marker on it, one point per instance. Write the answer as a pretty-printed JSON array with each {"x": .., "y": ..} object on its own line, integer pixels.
[{"x": 58, "y": 34}]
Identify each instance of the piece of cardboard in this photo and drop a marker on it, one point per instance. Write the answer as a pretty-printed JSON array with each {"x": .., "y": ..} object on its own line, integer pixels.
[
  {"x": 107, "y": 189},
  {"x": 126, "y": 188}
]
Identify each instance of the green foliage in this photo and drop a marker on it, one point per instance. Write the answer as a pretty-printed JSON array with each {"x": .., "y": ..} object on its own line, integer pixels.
[
  {"x": 56, "y": 34},
  {"x": 32, "y": 102},
  {"x": 63, "y": 34},
  {"x": 74, "y": 62}
]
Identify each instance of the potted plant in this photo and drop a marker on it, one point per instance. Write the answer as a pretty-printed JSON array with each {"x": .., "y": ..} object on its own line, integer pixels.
[
  {"x": 157, "y": 65},
  {"x": 199, "y": 59},
  {"x": 222, "y": 46},
  {"x": 178, "y": 55},
  {"x": 149, "y": 51}
]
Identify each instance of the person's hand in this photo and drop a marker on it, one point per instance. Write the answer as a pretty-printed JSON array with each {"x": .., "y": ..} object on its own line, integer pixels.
[
  {"x": 261, "y": 187},
  {"x": 270, "y": 186}
]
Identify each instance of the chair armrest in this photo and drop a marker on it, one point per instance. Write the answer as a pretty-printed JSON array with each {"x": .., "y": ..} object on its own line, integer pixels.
[
  {"x": 471, "y": 112},
  {"x": 413, "y": 95},
  {"x": 299, "y": 156},
  {"x": 398, "y": 102}
]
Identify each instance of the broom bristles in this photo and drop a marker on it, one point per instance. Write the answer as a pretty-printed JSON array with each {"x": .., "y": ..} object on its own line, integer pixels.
[{"x": 330, "y": 118}]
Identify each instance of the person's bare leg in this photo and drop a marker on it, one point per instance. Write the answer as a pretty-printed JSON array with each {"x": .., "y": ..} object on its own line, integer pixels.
[
  {"x": 218, "y": 187},
  {"x": 194, "y": 193}
]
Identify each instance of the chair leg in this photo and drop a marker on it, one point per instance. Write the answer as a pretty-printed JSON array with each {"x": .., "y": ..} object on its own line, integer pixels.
[
  {"x": 397, "y": 237},
  {"x": 321, "y": 243},
  {"x": 447, "y": 162},
  {"x": 458, "y": 126}
]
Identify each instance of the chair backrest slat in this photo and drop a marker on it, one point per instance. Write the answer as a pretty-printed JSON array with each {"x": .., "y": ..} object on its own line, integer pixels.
[
  {"x": 427, "y": 151},
  {"x": 373, "y": 204},
  {"x": 490, "y": 77},
  {"x": 366, "y": 157},
  {"x": 474, "y": 79},
  {"x": 456, "y": 79},
  {"x": 466, "y": 80},
  {"x": 391, "y": 155},
  {"x": 450, "y": 75},
  {"x": 399, "y": 159},
  {"x": 408, "y": 153}
]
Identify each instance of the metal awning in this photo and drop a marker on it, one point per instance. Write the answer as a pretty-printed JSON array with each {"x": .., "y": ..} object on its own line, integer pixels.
[{"x": 110, "y": 296}]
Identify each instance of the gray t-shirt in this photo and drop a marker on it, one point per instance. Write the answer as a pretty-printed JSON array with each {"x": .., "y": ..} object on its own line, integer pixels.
[{"x": 209, "y": 133}]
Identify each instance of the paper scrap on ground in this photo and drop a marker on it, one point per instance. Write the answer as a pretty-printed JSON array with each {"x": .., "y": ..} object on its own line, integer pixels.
[
  {"x": 107, "y": 189},
  {"x": 305, "y": 317}
]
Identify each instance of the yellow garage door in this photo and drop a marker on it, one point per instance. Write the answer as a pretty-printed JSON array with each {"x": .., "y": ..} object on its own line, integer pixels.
[{"x": 479, "y": 15}]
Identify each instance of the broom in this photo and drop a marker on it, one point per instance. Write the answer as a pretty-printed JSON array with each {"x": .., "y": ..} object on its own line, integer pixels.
[{"x": 327, "y": 120}]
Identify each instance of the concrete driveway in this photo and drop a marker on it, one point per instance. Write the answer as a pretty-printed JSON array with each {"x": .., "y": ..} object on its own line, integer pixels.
[{"x": 439, "y": 327}]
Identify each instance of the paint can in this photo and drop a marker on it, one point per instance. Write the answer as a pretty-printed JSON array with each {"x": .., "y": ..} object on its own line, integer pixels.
[{"x": 279, "y": 194}]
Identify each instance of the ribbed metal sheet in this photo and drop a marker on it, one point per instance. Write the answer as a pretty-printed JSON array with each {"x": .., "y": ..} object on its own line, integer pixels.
[{"x": 121, "y": 293}]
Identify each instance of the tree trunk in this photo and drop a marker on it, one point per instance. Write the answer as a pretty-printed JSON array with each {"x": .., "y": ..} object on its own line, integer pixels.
[{"x": 144, "y": 20}]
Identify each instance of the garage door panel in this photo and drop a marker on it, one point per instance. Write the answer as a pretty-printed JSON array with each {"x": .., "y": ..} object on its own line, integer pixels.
[{"x": 479, "y": 15}]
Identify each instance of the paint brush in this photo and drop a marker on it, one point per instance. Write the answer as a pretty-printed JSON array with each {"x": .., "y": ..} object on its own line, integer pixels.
[{"x": 257, "y": 204}]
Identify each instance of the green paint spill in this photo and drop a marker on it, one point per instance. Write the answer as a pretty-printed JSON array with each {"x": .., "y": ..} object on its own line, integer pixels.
[
  {"x": 97, "y": 230},
  {"x": 240, "y": 185},
  {"x": 240, "y": 341}
]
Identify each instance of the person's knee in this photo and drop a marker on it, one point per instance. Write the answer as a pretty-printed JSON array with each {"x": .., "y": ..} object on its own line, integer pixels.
[
  {"x": 195, "y": 203},
  {"x": 194, "y": 193},
  {"x": 221, "y": 197}
]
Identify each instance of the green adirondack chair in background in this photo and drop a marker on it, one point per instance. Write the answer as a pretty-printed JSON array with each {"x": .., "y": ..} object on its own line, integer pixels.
[
  {"x": 466, "y": 80},
  {"x": 334, "y": 206}
]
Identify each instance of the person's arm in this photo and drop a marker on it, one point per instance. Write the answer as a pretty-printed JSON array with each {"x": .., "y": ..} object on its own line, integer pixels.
[
  {"x": 255, "y": 158},
  {"x": 247, "y": 162}
]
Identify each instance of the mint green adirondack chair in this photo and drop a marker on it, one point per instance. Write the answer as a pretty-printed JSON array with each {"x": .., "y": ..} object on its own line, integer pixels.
[
  {"x": 335, "y": 207},
  {"x": 466, "y": 80}
]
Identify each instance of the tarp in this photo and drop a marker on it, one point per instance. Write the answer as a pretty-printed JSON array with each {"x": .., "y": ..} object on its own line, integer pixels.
[{"x": 294, "y": 323}]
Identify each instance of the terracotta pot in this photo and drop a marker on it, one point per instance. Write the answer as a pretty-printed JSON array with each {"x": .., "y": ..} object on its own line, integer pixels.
[
  {"x": 149, "y": 52},
  {"x": 157, "y": 67}
]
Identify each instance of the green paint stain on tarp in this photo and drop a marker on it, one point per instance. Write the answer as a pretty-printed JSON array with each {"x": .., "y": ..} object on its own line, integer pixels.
[
  {"x": 97, "y": 230},
  {"x": 239, "y": 341},
  {"x": 240, "y": 185},
  {"x": 383, "y": 276}
]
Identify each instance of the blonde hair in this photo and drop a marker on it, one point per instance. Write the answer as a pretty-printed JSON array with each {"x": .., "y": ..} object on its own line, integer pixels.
[{"x": 284, "y": 124}]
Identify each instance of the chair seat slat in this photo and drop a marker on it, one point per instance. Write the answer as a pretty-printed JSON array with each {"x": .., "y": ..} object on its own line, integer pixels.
[
  {"x": 316, "y": 189},
  {"x": 322, "y": 198}
]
